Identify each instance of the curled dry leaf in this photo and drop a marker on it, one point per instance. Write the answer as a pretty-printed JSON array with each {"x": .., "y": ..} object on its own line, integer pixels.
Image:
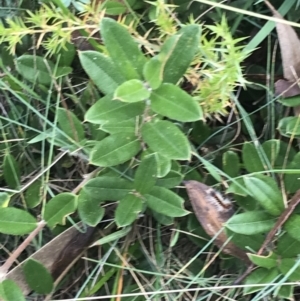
[
  {"x": 290, "y": 55},
  {"x": 56, "y": 255},
  {"x": 212, "y": 211}
]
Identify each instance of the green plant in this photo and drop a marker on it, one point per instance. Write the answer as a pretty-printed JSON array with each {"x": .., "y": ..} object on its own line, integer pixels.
[{"x": 137, "y": 132}]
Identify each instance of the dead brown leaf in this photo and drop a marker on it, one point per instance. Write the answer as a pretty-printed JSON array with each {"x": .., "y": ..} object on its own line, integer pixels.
[
  {"x": 290, "y": 55},
  {"x": 56, "y": 255},
  {"x": 212, "y": 211}
]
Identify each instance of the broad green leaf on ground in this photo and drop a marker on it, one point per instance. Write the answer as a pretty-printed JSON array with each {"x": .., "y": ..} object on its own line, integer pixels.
[
  {"x": 271, "y": 149},
  {"x": 70, "y": 124},
  {"x": 246, "y": 242},
  {"x": 260, "y": 276},
  {"x": 289, "y": 126},
  {"x": 165, "y": 138},
  {"x": 101, "y": 70},
  {"x": 89, "y": 209},
  {"x": 35, "y": 69},
  {"x": 113, "y": 237},
  {"x": 231, "y": 164},
  {"x": 113, "y": 8},
  {"x": 146, "y": 174},
  {"x": 115, "y": 149},
  {"x": 251, "y": 159},
  {"x": 173, "y": 102},
  {"x": 292, "y": 226},
  {"x": 4, "y": 199},
  {"x": 289, "y": 267},
  {"x": 59, "y": 207},
  {"x": 106, "y": 188},
  {"x": 10, "y": 291},
  {"x": 163, "y": 219},
  {"x": 267, "y": 262},
  {"x": 127, "y": 126},
  {"x": 288, "y": 246},
  {"x": 122, "y": 48},
  {"x": 266, "y": 191},
  {"x": 37, "y": 276},
  {"x": 11, "y": 171},
  {"x": 133, "y": 90},
  {"x": 250, "y": 223},
  {"x": 128, "y": 209},
  {"x": 108, "y": 110},
  {"x": 291, "y": 101},
  {"x": 153, "y": 72},
  {"x": 212, "y": 169},
  {"x": 163, "y": 165},
  {"x": 285, "y": 291},
  {"x": 33, "y": 195},
  {"x": 165, "y": 202},
  {"x": 172, "y": 179},
  {"x": 291, "y": 180},
  {"x": 174, "y": 60},
  {"x": 15, "y": 221}
]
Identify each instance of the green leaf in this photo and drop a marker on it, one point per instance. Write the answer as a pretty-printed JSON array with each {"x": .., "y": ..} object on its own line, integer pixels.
[
  {"x": 153, "y": 72},
  {"x": 265, "y": 190},
  {"x": 291, "y": 180},
  {"x": 175, "y": 60},
  {"x": 286, "y": 265},
  {"x": 128, "y": 209},
  {"x": 260, "y": 276},
  {"x": 292, "y": 226},
  {"x": 231, "y": 164},
  {"x": 101, "y": 70},
  {"x": 127, "y": 126},
  {"x": 122, "y": 48},
  {"x": 163, "y": 165},
  {"x": 10, "y": 291},
  {"x": 33, "y": 195},
  {"x": 145, "y": 176},
  {"x": 284, "y": 291},
  {"x": 246, "y": 242},
  {"x": 173, "y": 102},
  {"x": 114, "y": 8},
  {"x": 11, "y": 171},
  {"x": 165, "y": 138},
  {"x": 4, "y": 199},
  {"x": 35, "y": 69},
  {"x": 113, "y": 237},
  {"x": 293, "y": 101},
  {"x": 108, "y": 110},
  {"x": 69, "y": 124},
  {"x": 165, "y": 202},
  {"x": 89, "y": 209},
  {"x": 267, "y": 262},
  {"x": 172, "y": 179},
  {"x": 271, "y": 148},
  {"x": 251, "y": 159},
  {"x": 289, "y": 126},
  {"x": 212, "y": 169},
  {"x": 59, "y": 207},
  {"x": 250, "y": 223},
  {"x": 15, "y": 221},
  {"x": 115, "y": 149},
  {"x": 163, "y": 219},
  {"x": 133, "y": 90},
  {"x": 288, "y": 246},
  {"x": 37, "y": 276},
  {"x": 106, "y": 188}
]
